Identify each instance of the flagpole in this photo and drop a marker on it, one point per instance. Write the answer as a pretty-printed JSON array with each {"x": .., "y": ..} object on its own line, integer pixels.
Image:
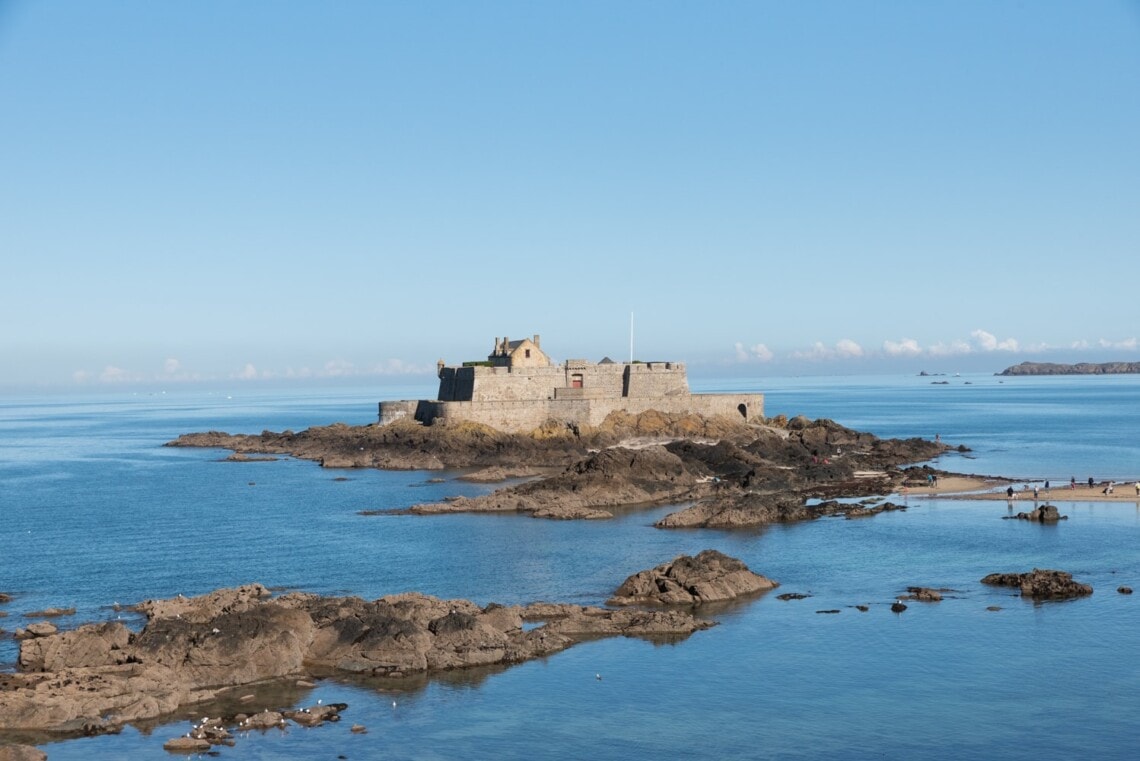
[{"x": 631, "y": 338}]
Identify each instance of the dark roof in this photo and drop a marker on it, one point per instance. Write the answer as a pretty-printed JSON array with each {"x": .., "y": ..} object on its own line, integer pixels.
[{"x": 607, "y": 361}]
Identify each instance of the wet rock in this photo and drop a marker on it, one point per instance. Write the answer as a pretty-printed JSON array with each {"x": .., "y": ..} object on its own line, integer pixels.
[
  {"x": 924, "y": 594},
  {"x": 41, "y": 629},
  {"x": 898, "y": 606},
  {"x": 1124, "y": 590},
  {"x": 263, "y": 720},
  {"x": 50, "y": 613},
  {"x": 711, "y": 576},
  {"x": 792, "y": 596},
  {"x": 198, "y": 649},
  {"x": 21, "y": 753},
  {"x": 1043, "y": 514},
  {"x": 1041, "y": 584},
  {"x": 186, "y": 745}
]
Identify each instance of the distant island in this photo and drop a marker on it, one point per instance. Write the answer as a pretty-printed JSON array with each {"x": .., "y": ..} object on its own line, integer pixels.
[{"x": 1081, "y": 368}]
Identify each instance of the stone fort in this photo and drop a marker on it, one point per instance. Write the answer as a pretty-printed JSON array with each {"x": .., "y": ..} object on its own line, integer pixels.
[{"x": 519, "y": 388}]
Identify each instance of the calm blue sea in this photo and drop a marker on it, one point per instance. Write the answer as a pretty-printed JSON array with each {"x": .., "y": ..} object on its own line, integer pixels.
[{"x": 95, "y": 511}]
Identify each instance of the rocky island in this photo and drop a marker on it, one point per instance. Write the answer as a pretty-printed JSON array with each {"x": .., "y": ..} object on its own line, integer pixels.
[
  {"x": 99, "y": 676},
  {"x": 1081, "y": 368}
]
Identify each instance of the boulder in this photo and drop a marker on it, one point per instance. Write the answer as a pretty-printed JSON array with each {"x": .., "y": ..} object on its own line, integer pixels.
[
  {"x": 21, "y": 753},
  {"x": 41, "y": 629},
  {"x": 924, "y": 594},
  {"x": 1041, "y": 584},
  {"x": 711, "y": 576},
  {"x": 1043, "y": 514},
  {"x": 90, "y": 645},
  {"x": 186, "y": 745}
]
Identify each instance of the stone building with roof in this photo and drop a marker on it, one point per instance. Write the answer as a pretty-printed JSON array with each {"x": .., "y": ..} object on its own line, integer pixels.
[{"x": 519, "y": 388}]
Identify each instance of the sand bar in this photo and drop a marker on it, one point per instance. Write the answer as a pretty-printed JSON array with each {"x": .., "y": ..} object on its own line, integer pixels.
[{"x": 977, "y": 487}]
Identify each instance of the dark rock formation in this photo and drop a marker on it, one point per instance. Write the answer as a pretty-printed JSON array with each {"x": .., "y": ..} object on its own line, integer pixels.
[
  {"x": 1042, "y": 514},
  {"x": 711, "y": 576},
  {"x": 1041, "y": 584},
  {"x": 898, "y": 606},
  {"x": 606, "y": 479},
  {"x": 50, "y": 613},
  {"x": 924, "y": 594},
  {"x": 1124, "y": 590},
  {"x": 101, "y": 675},
  {"x": 643, "y": 459},
  {"x": 1081, "y": 368},
  {"x": 755, "y": 509}
]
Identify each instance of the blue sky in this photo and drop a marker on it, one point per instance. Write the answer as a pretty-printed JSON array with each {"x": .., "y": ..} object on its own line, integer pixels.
[{"x": 217, "y": 190}]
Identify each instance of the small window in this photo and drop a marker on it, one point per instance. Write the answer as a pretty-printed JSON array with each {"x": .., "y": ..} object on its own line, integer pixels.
[
  {"x": 576, "y": 380},
  {"x": 528, "y": 353}
]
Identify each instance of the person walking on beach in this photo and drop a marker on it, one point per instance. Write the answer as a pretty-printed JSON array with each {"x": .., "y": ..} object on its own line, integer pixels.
[
  {"x": 1091, "y": 482},
  {"x": 1138, "y": 488}
]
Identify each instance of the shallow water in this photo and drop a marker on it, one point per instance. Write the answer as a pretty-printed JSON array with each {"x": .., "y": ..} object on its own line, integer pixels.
[{"x": 97, "y": 511}]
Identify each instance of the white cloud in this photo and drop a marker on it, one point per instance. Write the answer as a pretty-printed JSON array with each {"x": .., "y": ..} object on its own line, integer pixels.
[
  {"x": 844, "y": 349},
  {"x": 338, "y": 368},
  {"x": 112, "y": 374},
  {"x": 907, "y": 347},
  {"x": 249, "y": 372},
  {"x": 400, "y": 367},
  {"x": 1127, "y": 343},
  {"x": 758, "y": 352},
  {"x": 989, "y": 342},
  {"x": 171, "y": 366},
  {"x": 955, "y": 347}
]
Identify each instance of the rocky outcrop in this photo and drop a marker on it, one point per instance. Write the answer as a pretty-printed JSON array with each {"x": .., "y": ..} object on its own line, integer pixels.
[
  {"x": 1042, "y": 514},
  {"x": 710, "y": 576},
  {"x": 97, "y": 677},
  {"x": 924, "y": 594},
  {"x": 645, "y": 459},
  {"x": 1081, "y": 368},
  {"x": 606, "y": 479},
  {"x": 1041, "y": 584},
  {"x": 21, "y": 753},
  {"x": 752, "y": 510}
]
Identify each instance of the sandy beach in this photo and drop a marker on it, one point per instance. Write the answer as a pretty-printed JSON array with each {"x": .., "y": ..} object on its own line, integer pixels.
[{"x": 968, "y": 487}]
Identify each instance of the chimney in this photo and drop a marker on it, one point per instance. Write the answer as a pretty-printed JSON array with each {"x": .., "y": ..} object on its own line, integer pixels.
[
  {"x": 496, "y": 349},
  {"x": 536, "y": 341}
]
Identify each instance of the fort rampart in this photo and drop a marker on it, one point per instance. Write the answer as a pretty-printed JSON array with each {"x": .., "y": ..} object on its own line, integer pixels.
[{"x": 519, "y": 392}]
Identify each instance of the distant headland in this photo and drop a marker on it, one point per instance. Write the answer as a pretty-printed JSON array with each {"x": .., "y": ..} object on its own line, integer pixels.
[{"x": 1081, "y": 368}]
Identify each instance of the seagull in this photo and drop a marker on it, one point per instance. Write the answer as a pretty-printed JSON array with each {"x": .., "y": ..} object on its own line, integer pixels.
[{"x": 597, "y": 676}]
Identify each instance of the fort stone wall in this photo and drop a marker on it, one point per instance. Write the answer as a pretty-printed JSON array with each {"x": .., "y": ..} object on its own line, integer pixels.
[{"x": 521, "y": 390}]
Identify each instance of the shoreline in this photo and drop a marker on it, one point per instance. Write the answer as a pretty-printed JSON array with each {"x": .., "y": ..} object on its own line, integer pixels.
[{"x": 994, "y": 489}]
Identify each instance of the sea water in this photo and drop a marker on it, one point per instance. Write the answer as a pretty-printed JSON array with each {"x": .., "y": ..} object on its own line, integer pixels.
[{"x": 96, "y": 512}]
